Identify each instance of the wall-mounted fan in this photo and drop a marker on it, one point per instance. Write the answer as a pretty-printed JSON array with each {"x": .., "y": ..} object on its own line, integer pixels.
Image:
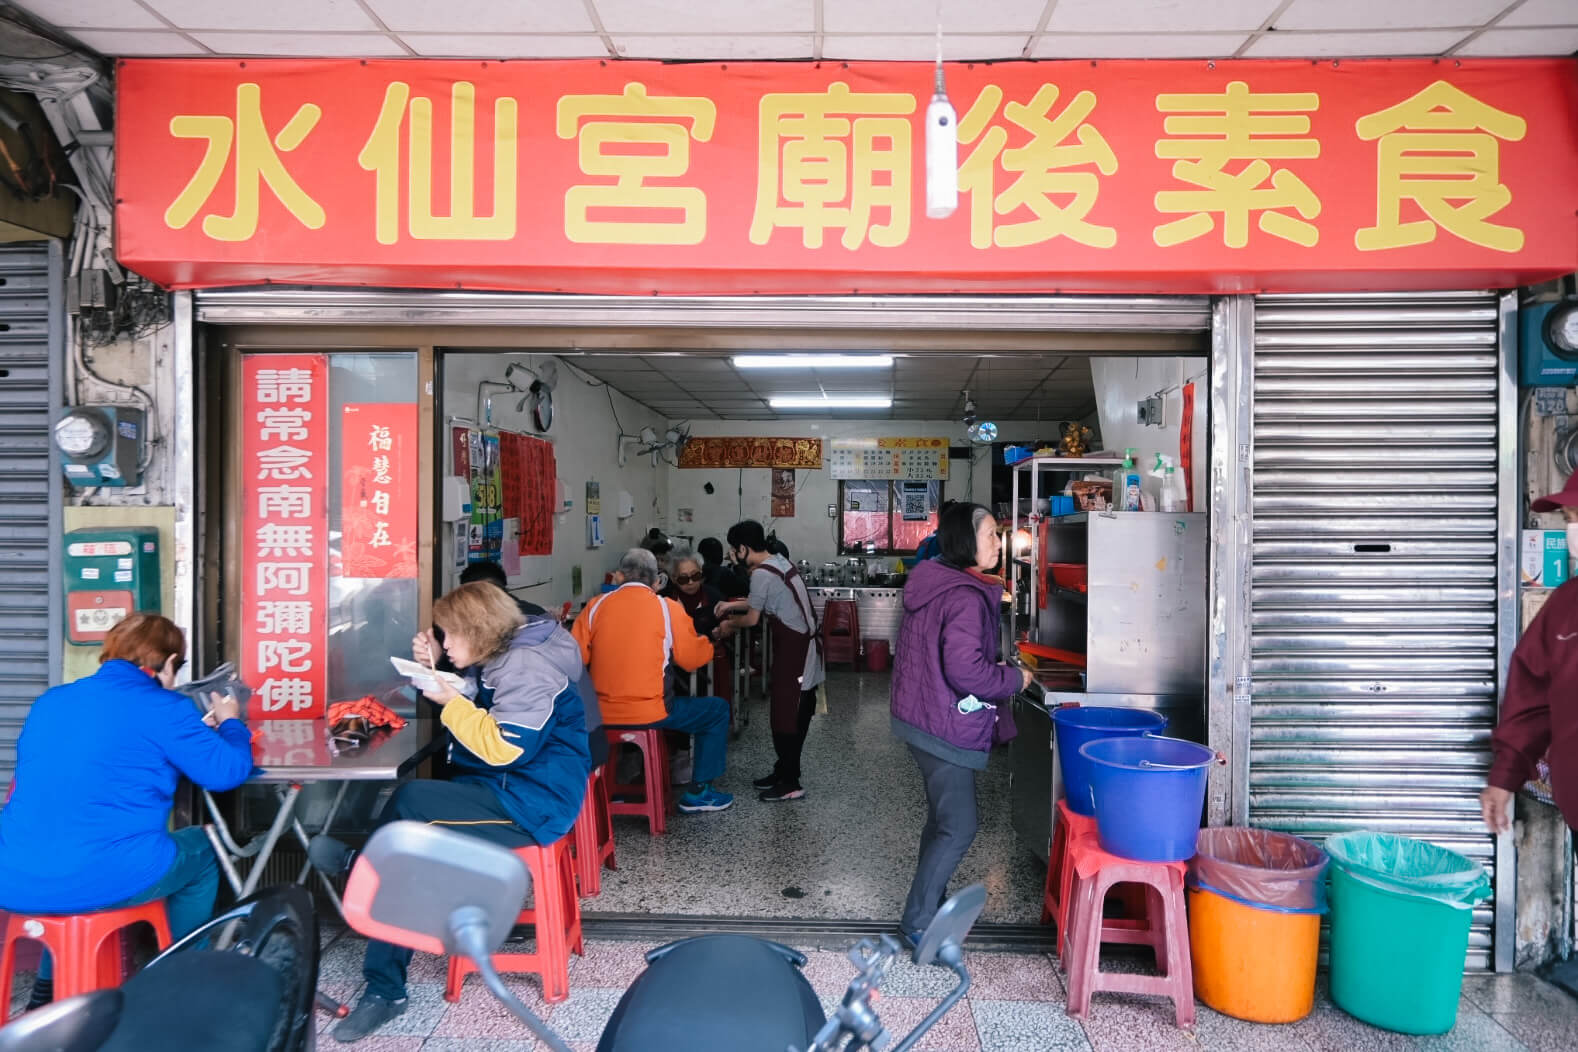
[
  {"x": 540, "y": 392},
  {"x": 669, "y": 445}
]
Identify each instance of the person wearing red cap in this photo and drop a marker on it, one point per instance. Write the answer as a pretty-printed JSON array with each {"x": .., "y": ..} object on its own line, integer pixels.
[{"x": 1539, "y": 712}]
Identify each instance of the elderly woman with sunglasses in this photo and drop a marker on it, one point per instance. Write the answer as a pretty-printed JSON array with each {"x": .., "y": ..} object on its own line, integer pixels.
[{"x": 688, "y": 587}]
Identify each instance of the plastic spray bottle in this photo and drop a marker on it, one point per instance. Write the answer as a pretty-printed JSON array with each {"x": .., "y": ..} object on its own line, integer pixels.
[
  {"x": 1128, "y": 494},
  {"x": 1171, "y": 499}
]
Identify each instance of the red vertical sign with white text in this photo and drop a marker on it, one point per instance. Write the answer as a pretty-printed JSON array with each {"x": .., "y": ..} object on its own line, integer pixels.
[
  {"x": 285, "y": 535},
  {"x": 378, "y": 491}
]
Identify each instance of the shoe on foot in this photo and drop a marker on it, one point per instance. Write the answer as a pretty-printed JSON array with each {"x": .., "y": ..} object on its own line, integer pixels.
[
  {"x": 373, "y": 1012},
  {"x": 766, "y": 781},
  {"x": 779, "y": 793},
  {"x": 708, "y": 799},
  {"x": 329, "y": 856}
]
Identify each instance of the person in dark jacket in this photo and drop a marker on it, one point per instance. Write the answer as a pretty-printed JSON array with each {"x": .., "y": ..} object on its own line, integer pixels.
[
  {"x": 519, "y": 750},
  {"x": 1539, "y": 711},
  {"x": 688, "y": 587},
  {"x": 88, "y": 826},
  {"x": 947, "y": 687}
]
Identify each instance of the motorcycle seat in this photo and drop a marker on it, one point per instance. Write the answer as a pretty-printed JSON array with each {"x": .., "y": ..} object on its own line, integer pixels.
[{"x": 201, "y": 1000}]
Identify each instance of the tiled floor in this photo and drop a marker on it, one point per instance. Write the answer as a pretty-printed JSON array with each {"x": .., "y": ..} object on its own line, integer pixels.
[
  {"x": 846, "y": 851},
  {"x": 1016, "y": 1004}
]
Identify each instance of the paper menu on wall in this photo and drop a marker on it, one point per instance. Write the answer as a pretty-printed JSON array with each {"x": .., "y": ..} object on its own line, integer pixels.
[{"x": 424, "y": 678}]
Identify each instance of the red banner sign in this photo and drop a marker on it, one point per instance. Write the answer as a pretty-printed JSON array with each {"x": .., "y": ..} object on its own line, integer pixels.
[
  {"x": 378, "y": 510},
  {"x": 640, "y": 177},
  {"x": 285, "y": 534}
]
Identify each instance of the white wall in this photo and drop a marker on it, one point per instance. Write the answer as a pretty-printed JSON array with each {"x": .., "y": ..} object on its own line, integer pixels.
[
  {"x": 584, "y": 436},
  {"x": 1121, "y": 383}
]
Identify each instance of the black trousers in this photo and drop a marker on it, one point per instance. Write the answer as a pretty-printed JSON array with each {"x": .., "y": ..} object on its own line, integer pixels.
[
  {"x": 790, "y": 746},
  {"x": 949, "y": 831}
]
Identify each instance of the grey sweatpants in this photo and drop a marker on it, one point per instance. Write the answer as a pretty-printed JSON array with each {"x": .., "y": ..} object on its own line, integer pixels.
[{"x": 950, "y": 828}]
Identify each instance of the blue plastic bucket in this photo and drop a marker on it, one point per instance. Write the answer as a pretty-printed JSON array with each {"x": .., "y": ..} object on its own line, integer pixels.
[
  {"x": 1148, "y": 794},
  {"x": 1078, "y": 724}
]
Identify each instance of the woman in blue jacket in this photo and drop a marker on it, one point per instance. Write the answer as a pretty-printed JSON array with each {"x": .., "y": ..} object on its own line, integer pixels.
[
  {"x": 947, "y": 686},
  {"x": 97, "y": 764}
]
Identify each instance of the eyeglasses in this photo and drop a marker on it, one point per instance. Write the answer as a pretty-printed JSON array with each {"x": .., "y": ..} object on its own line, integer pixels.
[{"x": 686, "y": 578}]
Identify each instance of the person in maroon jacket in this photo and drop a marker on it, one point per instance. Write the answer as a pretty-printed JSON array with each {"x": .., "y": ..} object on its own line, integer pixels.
[{"x": 1539, "y": 713}]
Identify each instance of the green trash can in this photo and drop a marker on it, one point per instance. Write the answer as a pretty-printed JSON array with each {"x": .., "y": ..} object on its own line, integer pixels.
[{"x": 1400, "y": 916}]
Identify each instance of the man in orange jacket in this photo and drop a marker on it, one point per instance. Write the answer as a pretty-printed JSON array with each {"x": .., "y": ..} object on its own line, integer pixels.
[{"x": 628, "y": 636}]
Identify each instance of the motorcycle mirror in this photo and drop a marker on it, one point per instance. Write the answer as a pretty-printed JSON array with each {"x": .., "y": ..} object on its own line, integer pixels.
[
  {"x": 412, "y": 877},
  {"x": 952, "y": 923}
]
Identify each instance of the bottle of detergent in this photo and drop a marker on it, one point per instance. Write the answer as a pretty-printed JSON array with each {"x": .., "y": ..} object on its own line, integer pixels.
[{"x": 1128, "y": 495}]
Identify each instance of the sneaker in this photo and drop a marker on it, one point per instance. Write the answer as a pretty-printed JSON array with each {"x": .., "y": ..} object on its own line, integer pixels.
[
  {"x": 373, "y": 1012},
  {"x": 766, "y": 781},
  {"x": 329, "y": 856},
  {"x": 709, "y": 799},
  {"x": 781, "y": 792}
]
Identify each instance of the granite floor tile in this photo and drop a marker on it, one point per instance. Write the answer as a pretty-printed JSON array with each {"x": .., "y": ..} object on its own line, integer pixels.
[
  {"x": 1118, "y": 1022},
  {"x": 1540, "y": 1033},
  {"x": 609, "y": 963},
  {"x": 1476, "y": 1031},
  {"x": 585, "y": 1014},
  {"x": 1014, "y": 977},
  {"x": 1519, "y": 993},
  {"x": 480, "y": 1044},
  {"x": 478, "y": 1014},
  {"x": 427, "y": 1006},
  {"x": 954, "y": 1032},
  {"x": 345, "y": 991},
  {"x": 1330, "y": 1029},
  {"x": 1016, "y": 1026},
  {"x": 379, "y": 1043}
]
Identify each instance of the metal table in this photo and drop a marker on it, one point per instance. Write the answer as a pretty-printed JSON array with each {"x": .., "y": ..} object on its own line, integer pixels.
[{"x": 289, "y": 754}]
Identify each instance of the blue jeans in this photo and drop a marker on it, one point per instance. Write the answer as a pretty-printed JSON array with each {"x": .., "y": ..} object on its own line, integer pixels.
[
  {"x": 708, "y": 720},
  {"x": 188, "y": 889}
]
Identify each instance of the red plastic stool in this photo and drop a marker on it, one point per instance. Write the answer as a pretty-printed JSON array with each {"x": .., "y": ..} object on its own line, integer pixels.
[
  {"x": 841, "y": 632},
  {"x": 593, "y": 835},
  {"x": 656, "y": 800},
  {"x": 555, "y": 913},
  {"x": 87, "y": 955},
  {"x": 1166, "y": 931},
  {"x": 1067, "y": 826}
]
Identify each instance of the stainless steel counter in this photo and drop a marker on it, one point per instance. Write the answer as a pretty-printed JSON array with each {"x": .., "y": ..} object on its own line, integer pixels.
[{"x": 880, "y": 609}]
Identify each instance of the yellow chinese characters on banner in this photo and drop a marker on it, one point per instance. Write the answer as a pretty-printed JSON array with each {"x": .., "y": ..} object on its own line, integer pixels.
[
  {"x": 1209, "y": 132},
  {"x": 833, "y": 160},
  {"x": 1037, "y": 168},
  {"x": 381, "y": 155},
  {"x": 606, "y": 127},
  {"x": 1435, "y": 148},
  {"x": 257, "y": 161}
]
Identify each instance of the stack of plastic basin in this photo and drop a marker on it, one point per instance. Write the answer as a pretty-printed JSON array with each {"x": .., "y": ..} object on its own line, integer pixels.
[
  {"x": 1078, "y": 725},
  {"x": 1401, "y": 910},
  {"x": 1148, "y": 795},
  {"x": 1255, "y": 903}
]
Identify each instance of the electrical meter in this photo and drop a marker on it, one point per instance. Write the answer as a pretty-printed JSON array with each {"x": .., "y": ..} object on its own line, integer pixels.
[
  {"x": 101, "y": 445},
  {"x": 110, "y": 572}
]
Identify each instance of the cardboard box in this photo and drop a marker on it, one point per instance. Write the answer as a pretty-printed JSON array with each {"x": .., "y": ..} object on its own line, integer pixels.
[{"x": 1544, "y": 558}]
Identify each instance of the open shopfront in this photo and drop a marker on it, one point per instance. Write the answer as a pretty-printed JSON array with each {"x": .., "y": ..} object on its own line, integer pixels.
[{"x": 1357, "y": 611}]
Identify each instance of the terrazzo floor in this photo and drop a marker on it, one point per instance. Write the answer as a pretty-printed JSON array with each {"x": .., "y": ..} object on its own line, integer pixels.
[{"x": 846, "y": 851}]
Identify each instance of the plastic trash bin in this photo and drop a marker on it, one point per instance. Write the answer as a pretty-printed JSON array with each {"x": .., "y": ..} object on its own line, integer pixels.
[
  {"x": 1400, "y": 916},
  {"x": 1255, "y": 903}
]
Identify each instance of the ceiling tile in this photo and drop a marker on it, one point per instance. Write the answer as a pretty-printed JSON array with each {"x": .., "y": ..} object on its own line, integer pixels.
[
  {"x": 958, "y": 16},
  {"x": 128, "y": 44},
  {"x": 732, "y": 47},
  {"x": 1543, "y": 13},
  {"x": 1350, "y": 45},
  {"x": 922, "y": 47},
  {"x": 1156, "y": 16},
  {"x": 275, "y": 14},
  {"x": 718, "y": 16},
  {"x": 1393, "y": 14},
  {"x": 483, "y": 17},
  {"x": 326, "y": 45},
  {"x": 99, "y": 14},
  {"x": 1137, "y": 45},
  {"x": 1506, "y": 42},
  {"x": 498, "y": 45}
]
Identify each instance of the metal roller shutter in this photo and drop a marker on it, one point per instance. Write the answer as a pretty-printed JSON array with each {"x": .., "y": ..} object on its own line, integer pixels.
[
  {"x": 29, "y": 486},
  {"x": 1375, "y": 569}
]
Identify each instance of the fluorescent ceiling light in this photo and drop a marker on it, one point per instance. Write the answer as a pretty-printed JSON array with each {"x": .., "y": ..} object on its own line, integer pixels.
[
  {"x": 813, "y": 361},
  {"x": 830, "y": 402}
]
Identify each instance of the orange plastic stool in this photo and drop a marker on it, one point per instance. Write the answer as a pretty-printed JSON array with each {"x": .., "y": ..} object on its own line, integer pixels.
[
  {"x": 1166, "y": 931},
  {"x": 87, "y": 955},
  {"x": 656, "y": 800},
  {"x": 555, "y": 913},
  {"x": 593, "y": 835},
  {"x": 841, "y": 632}
]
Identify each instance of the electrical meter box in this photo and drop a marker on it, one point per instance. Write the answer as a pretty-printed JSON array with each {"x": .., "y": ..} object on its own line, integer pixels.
[{"x": 110, "y": 572}]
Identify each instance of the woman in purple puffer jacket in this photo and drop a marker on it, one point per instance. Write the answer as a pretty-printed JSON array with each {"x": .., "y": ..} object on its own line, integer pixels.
[{"x": 948, "y": 685}]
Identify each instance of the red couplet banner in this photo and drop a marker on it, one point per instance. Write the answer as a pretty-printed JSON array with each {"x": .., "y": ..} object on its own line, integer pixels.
[
  {"x": 378, "y": 495},
  {"x": 641, "y": 177},
  {"x": 285, "y": 534}
]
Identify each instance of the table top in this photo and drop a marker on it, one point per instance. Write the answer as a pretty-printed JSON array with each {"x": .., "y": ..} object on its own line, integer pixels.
[{"x": 299, "y": 751}]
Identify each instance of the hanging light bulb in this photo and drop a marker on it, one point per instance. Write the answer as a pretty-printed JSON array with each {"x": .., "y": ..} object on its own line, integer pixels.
[
  {"x": 942, "y": 145},
  {"x": 1022, "y": 542}
]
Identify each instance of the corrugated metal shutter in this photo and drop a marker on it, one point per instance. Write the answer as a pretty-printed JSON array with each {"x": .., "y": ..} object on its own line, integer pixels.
[
  {"x": 1375, "y": 571},
  {"x": 29, "y": 489}
]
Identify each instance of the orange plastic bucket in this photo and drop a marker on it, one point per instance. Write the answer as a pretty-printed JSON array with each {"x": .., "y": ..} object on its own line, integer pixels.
[{"x": 1250, "y": 963}]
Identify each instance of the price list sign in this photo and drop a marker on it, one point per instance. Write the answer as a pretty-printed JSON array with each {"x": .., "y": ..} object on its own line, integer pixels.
[{"x": 919, "y": 459}]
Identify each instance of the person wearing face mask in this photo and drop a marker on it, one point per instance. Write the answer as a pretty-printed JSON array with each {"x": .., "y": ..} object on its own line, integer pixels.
[
  {"x": 88, "y": 824},
  {"x": 1539, "y": 711}
]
